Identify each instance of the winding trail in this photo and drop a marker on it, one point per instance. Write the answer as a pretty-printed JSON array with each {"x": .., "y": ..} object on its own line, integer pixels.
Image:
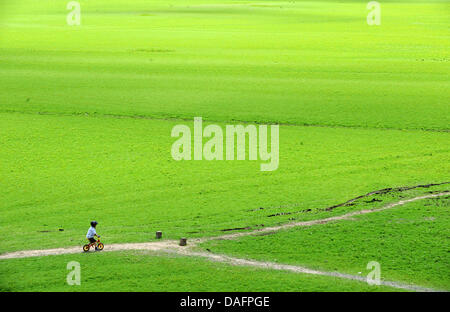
[
  {"x": 301, "y": 270},
  {"x": 346, "y": 216},
  {"x": 171, "y": 246}
]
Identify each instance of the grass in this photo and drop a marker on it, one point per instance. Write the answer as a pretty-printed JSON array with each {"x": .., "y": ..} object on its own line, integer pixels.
[
  {"x": 303, "y": 62},
  {"x": 59, "y": 172},
  {"x": 86, "y": 114}
]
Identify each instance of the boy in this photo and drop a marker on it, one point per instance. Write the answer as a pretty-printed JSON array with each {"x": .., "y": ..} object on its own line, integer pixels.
[{"x": 91, "y": 233}]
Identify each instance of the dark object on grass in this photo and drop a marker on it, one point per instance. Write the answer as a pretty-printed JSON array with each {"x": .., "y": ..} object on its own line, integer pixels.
[
  {"x": 373, "y": 200},
  {"x": 183, "y": 242},
  {"x": 158, "y": 234},
  {"x": 61, "y": 230},
  {"x": 236, "y": 229}
]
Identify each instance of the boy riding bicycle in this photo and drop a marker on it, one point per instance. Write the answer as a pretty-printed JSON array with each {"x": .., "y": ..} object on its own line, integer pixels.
[{"x": 92, "y": 233}]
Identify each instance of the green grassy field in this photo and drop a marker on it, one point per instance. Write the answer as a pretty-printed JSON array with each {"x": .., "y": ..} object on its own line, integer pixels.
[
  {"x": 303, "y": 62},
  {"x": 86, "y": 114}
]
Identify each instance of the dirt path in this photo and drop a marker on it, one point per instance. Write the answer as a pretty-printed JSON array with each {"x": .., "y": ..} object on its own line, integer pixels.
[
  {"x": 153, "y": 246},
  {"x": 298, "y": 269},
  {"x": 171, "y": 246},
  {"x": 322, "y": 221}
]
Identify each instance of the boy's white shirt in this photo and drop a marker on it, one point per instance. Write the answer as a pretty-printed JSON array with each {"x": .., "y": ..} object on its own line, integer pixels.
[{"x": 91, "y": 232}]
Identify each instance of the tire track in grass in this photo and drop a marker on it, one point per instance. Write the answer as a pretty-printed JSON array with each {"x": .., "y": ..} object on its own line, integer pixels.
[
  {"x": 171, "y": 246},
  {"x": 179, "y": 118}
]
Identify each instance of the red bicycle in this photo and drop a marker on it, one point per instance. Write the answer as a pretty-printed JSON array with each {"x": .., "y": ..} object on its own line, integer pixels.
[{"x": 100, "y": 245}]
